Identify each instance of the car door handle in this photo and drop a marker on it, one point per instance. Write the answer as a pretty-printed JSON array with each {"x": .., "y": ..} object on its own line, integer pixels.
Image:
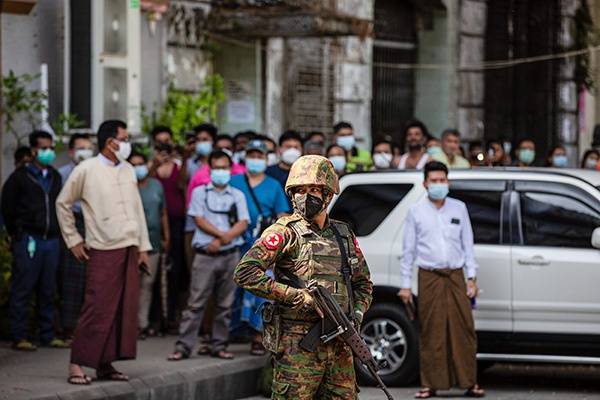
[{"x": 535, "y": 261}]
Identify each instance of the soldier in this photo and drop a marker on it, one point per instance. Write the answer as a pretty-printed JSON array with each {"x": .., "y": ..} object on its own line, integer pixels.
[{"x": 306, "y": 247}]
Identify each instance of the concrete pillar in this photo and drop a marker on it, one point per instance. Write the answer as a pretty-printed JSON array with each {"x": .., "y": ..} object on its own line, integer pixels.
[
  {"x": 274, "y": 101},
  {"x": 471, "y": 52},
  {"x": 567, "y": 93},
  {"x": 353, "y": 74}
]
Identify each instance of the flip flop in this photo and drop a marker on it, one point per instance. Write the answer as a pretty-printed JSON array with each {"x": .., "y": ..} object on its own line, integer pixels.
[
  {"x": 425, "y": 393},
  {"x": 178, "y": 356},
  {"x": 86, "y": 380},
  {"x": 223, "y": 355},
  {"x": 475, "y": 391},
  {"x": 257, "y": 349},
  {"x": 112, "y": 375}
]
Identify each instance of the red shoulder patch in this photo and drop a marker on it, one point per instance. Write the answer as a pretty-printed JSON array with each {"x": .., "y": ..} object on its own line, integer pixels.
[
  {"x": 357, "y": 247},
  {"x": 272, "y": 241}
]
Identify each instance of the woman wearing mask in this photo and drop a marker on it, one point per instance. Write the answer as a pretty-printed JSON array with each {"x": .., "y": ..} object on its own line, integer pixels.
[
  {"x": 337, "y": 155},
  {"x": 382, "y": 155},
  {"x": 433, "y": 147},
  {"x": 557, "y": 158},
  {"x": 590, "y": 159}
]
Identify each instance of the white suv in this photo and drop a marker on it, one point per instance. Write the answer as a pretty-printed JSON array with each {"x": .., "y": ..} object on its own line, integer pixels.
[{"x": 535, "y": 238}]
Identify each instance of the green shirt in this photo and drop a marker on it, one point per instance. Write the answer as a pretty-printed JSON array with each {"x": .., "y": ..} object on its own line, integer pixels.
[
  {"x": 361, "y": 161},
  {"x": 153, "y": 200}
]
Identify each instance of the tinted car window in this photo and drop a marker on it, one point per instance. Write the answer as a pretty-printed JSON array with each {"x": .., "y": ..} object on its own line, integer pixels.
[
  {"x": 484, "y": 211},
  {"x": 550, "y": 219},
  {"x": 364, "y": 207}
]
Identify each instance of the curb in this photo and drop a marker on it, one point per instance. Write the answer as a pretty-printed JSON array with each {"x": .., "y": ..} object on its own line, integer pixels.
[{"x": 220, "y": 382}]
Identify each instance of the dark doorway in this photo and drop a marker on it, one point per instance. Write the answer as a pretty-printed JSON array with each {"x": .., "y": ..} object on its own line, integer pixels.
[
  {"x": 520, "y": 100},
  {"x": 393, "y": 88}
]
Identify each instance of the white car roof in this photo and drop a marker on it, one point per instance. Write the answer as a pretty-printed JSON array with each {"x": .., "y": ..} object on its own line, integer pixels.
[{"x": 590, "y": 176}]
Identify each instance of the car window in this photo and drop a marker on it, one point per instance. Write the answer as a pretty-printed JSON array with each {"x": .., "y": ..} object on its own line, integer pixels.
[
  {"x": 550, "y": 219},
  {"x": 484, "y": 211},
  {"x": 364, "y": 207}
]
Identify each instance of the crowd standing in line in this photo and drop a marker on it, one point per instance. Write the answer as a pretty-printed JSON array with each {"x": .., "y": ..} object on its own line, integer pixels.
[{"x": 183, "y": 214}]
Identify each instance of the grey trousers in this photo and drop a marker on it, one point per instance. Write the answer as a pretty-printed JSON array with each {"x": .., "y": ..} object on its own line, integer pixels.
[
  {"x": 210, "y": 275},
  {"x": 146, "y": 284}
]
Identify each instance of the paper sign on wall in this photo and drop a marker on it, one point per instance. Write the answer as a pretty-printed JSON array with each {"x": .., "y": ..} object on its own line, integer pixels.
[{"x": 240, "y": 112}]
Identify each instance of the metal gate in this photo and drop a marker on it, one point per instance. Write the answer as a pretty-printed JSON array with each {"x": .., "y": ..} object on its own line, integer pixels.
[
  {"x": 520, "y": 102},
  {"x": 393, "y": 88}
]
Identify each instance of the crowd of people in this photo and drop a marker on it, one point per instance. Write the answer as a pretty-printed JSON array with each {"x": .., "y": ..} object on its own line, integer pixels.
[{"x": 183, "y": 213}]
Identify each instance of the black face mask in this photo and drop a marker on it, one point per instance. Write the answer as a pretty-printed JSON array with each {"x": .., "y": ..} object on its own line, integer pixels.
[{"x": 308, "y": 205}]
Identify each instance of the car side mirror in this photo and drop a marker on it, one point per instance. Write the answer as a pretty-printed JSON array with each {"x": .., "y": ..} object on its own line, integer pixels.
[{"x": 596, "y": 238}]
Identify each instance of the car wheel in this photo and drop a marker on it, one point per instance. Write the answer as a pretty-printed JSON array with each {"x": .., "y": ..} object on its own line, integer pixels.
[{"x": 393, "y": 341}]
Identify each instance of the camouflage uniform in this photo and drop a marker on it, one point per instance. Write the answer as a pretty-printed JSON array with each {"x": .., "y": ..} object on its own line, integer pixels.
[{"x": 310, "y": 253}]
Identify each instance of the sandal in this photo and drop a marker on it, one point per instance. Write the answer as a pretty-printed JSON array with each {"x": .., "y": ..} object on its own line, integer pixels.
[
  {"x": 425, "y": 393},
  {"x": 223, "y": 355},
  {"x": 56, "y": 344},
  {"x": 204, "y": 350},
  {"x": 475, "y": 391},
  {"x": 79, "y": 380},
  {"x": 112, "y": 375},
  {"x": 257, "y": 349},
  {"x": 177, "y": 356}
]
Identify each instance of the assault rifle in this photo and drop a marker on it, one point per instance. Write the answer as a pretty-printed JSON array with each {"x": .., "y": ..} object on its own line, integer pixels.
[{"x": 335, "y": 323}]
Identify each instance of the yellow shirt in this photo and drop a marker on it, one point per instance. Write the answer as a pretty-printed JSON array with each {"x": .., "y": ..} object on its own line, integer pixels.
[
  {"x": 111, "y": 205},
  {"x": 459, "y": 161}
]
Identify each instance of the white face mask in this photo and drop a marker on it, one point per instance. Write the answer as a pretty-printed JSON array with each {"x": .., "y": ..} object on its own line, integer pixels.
[
  {"x": 124, "y": 151},
  {"x": 272, "y": 159},
  {"x": 82, "y": 154},
  {"x": 382, "y": 160},
  {"x": 290, "y": 155},
  {"x": 591, "y": 163}
]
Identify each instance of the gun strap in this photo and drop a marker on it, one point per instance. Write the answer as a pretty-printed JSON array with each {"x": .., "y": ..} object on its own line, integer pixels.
[
  {"x": 291, "y": 279},
  {"x": 346, "y": 271}
]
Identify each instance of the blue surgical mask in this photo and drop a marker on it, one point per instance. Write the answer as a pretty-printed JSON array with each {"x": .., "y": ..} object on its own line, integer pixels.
[
  {"x": 526, "y": 156},
  {"x": 141, "y": 172},
  {"x": 560, "y": 161},
  {"x": 46, "y": 156},
  {"x": 339, "y": 163},
  {"x": 220, "y": 177},
  {"x": 437, "y": 191},
  {"x": 434, "y": 151},
  {"x": 347, "y": 142},
  {"x": 256, "y": 165},
  {"x": 203, "y": 148}
]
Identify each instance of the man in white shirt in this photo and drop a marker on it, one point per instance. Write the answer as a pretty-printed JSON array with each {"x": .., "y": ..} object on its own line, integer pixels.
[
  {"x": 115, "y": 248},
  {"x": 438, "y": 238}
]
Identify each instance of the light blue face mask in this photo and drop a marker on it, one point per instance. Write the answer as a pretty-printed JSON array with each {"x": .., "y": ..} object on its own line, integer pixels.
[
  {"x": 203, "y": 148},
  {"x": 434, "y": 150},
  {"x": 220, "y": 177},
  {"x": 339, "y": 163},
  {"x": 437, "y": 191},
  {"x": 560, "y": 161},
  {"x": 347, "y": 142},
  {"x": 46, "y": 156},
  {"x": 526, "y": 156},
  {"x": 256, "y": 165},
  {"x": 141, "y": 172}
]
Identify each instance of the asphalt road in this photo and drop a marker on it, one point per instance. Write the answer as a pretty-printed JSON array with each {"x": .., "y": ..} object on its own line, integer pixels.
[{"x": 519, "y": 382}]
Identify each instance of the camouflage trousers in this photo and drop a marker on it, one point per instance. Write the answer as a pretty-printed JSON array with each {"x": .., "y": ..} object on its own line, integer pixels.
[{"x": 327, "y": 373}]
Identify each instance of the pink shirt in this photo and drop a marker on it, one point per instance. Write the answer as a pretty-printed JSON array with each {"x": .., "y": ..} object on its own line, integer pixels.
[{"x": 202, "y": 177}]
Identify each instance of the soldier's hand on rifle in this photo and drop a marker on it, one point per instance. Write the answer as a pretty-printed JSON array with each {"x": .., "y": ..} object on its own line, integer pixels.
[{"x": 305, "y": 301}]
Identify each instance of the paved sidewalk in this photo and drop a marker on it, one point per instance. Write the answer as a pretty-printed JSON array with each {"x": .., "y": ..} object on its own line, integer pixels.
[
  {"x": 516, "y": 382},
  {"x": 43, "y": 374}
]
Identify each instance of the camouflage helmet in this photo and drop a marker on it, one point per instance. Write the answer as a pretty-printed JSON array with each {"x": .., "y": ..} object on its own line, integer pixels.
[{"x": 313, "y": 170}]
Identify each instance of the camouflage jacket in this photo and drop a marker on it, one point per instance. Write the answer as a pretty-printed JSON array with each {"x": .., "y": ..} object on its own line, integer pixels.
[{"x": 308, "y": 252}]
